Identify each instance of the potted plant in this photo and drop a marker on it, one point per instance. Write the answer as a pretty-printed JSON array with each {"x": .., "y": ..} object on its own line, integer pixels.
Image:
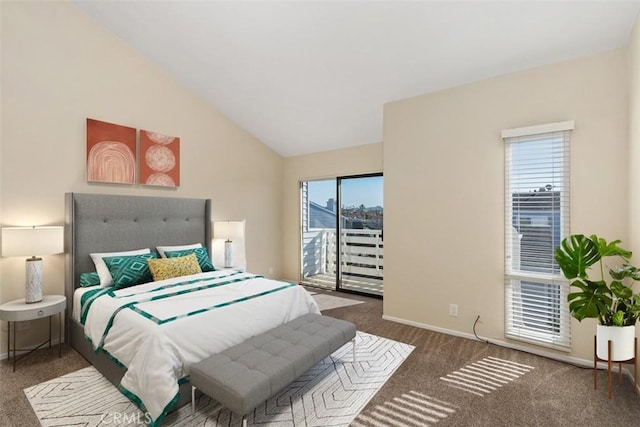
[{"x": 609, "y": 300}]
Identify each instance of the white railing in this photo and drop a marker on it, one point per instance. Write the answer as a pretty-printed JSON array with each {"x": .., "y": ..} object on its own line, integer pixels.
[{"x": 361, "y": 253}]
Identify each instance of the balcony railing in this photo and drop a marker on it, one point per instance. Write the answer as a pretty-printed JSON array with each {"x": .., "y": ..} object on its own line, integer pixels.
[{"x": 361, "y": 255}]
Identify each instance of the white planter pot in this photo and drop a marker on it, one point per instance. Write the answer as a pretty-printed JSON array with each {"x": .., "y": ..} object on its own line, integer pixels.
[{"x": 622, "y": 342}]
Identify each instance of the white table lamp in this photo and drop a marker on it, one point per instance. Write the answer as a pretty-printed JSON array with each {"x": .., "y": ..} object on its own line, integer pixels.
[
  {"x": 32, "y": 241},
  {"x": 228, "y": 230}
]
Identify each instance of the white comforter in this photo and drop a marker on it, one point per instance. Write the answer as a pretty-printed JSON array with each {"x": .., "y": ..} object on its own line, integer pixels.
[{"x": 157, "y": 330}]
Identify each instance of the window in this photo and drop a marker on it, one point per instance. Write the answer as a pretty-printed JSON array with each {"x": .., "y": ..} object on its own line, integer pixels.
[{"x": 536, "y": 221}]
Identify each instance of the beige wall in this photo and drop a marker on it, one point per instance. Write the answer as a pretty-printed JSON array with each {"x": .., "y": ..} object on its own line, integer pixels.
[
  {"x": 444, "y": 183},
  {"x": 634, "y": 140},
  {"x": 58, "y": 68},
  {"x": 330, "y": 164}
]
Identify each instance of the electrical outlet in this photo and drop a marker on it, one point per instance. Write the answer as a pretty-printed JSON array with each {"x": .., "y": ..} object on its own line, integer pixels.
[
  {"x": 23, "y": 326},
  {"x": 453, "y": 310}
]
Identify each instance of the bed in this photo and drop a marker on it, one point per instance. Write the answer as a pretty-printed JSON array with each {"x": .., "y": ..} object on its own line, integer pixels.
[{"x": 143, "y": 338}]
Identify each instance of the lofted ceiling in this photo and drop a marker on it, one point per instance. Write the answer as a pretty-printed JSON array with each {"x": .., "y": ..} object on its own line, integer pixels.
[{"x": 306, "y": 77}]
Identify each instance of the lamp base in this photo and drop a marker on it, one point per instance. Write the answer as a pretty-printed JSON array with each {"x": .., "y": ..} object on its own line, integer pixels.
[
  {"x": 228, "y": 254},
  {"x": 34, "y": 281}
]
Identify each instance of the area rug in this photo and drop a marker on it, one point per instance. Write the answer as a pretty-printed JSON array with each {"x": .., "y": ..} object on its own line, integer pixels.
[
  {"x": 328, "y": 302},
  {"x": 332, "y": 393}
]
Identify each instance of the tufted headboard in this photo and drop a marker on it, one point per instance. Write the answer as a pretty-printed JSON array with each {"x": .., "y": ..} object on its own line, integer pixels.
[{"x": 109, "y": 223}]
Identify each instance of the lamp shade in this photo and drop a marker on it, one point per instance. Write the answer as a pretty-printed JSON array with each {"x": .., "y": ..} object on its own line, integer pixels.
[
  {"x": 228, "y": 230},
  {"x": 32, "y": 241}
]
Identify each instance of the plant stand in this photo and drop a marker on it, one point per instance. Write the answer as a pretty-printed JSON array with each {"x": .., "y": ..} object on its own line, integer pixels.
[{"x": 610, "y": 363}]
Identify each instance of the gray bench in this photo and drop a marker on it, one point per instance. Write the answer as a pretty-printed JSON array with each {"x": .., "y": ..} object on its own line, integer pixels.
[{"x": 245, "y": 375}]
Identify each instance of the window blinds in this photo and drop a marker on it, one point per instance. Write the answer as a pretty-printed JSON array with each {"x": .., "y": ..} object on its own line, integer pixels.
[{"x": 536, "y": 221}]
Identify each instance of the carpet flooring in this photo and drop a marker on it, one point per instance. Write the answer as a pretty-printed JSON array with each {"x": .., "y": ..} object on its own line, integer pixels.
[
  {"x": 550, "y": 394},
  {"x": 332, "y": 393}
]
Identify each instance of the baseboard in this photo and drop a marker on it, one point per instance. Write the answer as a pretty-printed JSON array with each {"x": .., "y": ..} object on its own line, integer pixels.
[
  {"x": 54, "y": 342},
  {"x": 538, "y": 352},
  {"x": 429, "y": 327}
]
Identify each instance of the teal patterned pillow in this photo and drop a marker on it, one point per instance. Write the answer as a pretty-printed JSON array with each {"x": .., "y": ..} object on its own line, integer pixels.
[
  {"x": 129, "y": 270},
  {"x": 89, "y": 279},
  {"x": 201, "y": 254}
]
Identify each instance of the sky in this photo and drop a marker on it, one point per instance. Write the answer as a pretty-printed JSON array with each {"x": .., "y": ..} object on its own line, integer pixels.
[{"x": 365, "y": 191}]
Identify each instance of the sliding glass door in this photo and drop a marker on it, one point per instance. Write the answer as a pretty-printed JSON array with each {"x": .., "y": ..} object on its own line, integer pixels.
[
  {"x": 319, "y": 208},
  {"x": 341, "y": 234},
  {"x": 361, "y": 249}
]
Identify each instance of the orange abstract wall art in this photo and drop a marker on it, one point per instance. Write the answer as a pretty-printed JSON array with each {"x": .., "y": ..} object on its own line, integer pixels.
[
  {"x": 111, "y": 153},
  {"x": 159, "y": 159}
]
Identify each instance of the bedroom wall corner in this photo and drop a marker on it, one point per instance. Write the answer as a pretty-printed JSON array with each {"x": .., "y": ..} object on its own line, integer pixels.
[
  {"x": 361, "y": 159},
  {"x": 634, "y": 139},
  {"x": 634, "y": 145},
  {"x": 60, "y": 67},
  {"x": 2, "y": 330},
  {"x": 444, "y": 185}
]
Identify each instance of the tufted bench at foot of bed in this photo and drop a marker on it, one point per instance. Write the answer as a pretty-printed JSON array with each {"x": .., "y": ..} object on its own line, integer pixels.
[{"x": 245, "y": 375}]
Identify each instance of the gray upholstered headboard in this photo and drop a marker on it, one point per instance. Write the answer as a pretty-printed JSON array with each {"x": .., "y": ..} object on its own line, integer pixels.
[{"x": 109, "y": 223}]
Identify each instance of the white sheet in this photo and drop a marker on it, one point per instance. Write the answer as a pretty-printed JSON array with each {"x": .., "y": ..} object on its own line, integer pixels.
[
  {"x": 157, "y": 349},
  {"x": 77, "y": 297}
]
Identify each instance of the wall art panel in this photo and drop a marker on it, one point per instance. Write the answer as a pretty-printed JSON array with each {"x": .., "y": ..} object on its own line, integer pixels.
[
  {"x": 159, "y": 159},
  {"x": 111, "y": 153}
]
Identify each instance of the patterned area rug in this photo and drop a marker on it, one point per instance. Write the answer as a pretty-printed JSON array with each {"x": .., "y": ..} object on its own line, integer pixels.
[{"x": 332, "y": 393}]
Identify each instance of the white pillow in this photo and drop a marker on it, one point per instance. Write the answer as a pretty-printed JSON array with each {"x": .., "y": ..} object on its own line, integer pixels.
[
  {"x": 103, "y": 271},
  {"x": 162, "y": 249}
]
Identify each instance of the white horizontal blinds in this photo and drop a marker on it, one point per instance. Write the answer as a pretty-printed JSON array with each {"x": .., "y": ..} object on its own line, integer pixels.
[
  {"x": 536, "y": 221},
  {"x": 537, "y": 312},
  {"x": 304, "y": 195}
]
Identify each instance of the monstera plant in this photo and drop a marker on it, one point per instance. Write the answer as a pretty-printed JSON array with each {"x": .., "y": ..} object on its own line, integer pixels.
[{"x": 609, "y": 298}]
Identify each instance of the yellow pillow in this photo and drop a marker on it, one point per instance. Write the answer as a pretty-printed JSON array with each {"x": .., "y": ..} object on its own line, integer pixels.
[{"x": 167, "y": 268}]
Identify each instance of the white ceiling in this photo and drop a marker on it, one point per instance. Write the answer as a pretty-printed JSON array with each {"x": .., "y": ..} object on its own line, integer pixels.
[{"x": 305, "y": 77}]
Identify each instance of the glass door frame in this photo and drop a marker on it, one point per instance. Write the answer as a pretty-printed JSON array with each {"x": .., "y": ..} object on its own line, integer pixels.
[{"x": 338, "y": 288}]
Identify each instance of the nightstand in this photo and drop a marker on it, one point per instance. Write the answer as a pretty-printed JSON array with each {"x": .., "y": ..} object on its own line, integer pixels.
[{"x": 18, "y": 311}]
